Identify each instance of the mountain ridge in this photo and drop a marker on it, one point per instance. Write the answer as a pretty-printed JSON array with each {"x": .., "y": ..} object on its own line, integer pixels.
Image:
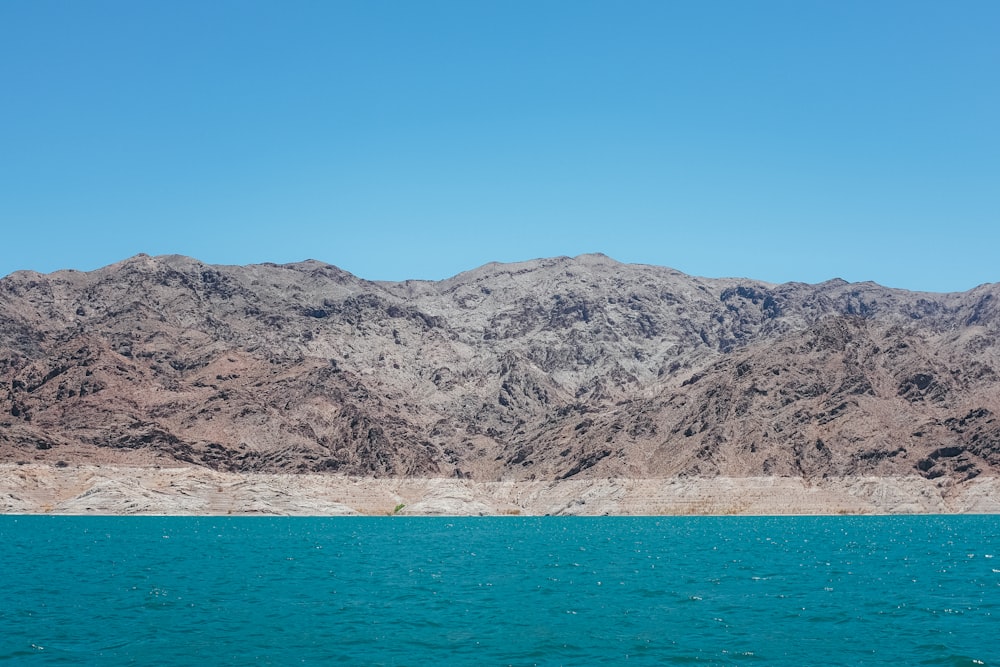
[{"x": 556, "y": 368}]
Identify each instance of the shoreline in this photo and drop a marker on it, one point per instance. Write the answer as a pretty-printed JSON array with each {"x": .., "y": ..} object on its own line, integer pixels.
[{"x": 34, "y": 488}]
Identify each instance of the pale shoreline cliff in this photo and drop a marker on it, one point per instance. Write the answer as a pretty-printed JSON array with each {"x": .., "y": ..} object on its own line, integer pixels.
[{"x": 112, "y": 490}]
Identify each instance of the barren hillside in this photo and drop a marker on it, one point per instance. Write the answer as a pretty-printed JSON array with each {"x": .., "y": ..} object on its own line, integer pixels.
[{"x": 551, "y": 369}]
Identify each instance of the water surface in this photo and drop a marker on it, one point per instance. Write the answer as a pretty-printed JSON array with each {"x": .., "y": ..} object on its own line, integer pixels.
[{"x": 497, "y": 591}]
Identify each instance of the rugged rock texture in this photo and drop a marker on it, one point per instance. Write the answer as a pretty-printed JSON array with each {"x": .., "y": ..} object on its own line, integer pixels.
[
  {"x": 556, "y": 369},
  {"x": 35, "y": 488}
]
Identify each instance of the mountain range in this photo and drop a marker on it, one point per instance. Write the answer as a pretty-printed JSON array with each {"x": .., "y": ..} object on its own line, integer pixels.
[{"x": 552, "y": 369}]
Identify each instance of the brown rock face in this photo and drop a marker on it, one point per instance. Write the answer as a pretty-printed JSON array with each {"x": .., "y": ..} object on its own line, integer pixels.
[{"x": 551, "y": 369}]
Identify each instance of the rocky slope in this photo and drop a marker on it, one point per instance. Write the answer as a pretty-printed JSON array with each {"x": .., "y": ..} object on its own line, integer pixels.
[
  {"x": 34, "y": 488},
  {"x": 551, "y": 369}
]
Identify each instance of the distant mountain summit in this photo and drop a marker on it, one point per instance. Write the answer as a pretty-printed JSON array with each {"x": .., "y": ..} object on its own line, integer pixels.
[{"x": 549, "y": 369}]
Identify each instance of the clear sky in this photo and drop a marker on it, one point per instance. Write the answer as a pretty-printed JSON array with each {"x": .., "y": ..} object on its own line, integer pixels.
[{"x": 799, "y": 140}]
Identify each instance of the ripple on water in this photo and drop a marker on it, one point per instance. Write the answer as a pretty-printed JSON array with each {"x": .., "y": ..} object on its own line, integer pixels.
[{"x": 715, "y": 590}]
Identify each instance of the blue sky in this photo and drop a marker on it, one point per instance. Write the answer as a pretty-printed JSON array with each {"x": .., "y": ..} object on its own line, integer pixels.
[{"x": 798, "y": 140}]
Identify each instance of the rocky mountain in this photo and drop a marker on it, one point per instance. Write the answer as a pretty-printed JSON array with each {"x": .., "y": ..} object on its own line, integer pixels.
[{"x": 566, "y": 368}]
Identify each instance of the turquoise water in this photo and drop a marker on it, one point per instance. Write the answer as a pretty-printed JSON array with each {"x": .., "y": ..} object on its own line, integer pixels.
[{"x": 498, "y": 591}]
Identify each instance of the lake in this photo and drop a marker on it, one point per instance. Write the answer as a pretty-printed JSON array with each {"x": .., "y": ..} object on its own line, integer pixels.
[{"x": 500, "y": 590}]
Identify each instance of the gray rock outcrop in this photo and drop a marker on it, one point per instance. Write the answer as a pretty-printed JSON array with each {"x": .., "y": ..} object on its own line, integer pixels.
[{"x": 554, "y": 369}]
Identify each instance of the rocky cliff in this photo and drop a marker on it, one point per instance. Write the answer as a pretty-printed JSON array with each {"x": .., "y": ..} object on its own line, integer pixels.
[{"x": 567, "y": 368}]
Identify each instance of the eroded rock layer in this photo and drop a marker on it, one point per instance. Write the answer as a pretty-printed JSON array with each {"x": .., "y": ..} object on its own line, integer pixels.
[{"x": 556, "y": 369}]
